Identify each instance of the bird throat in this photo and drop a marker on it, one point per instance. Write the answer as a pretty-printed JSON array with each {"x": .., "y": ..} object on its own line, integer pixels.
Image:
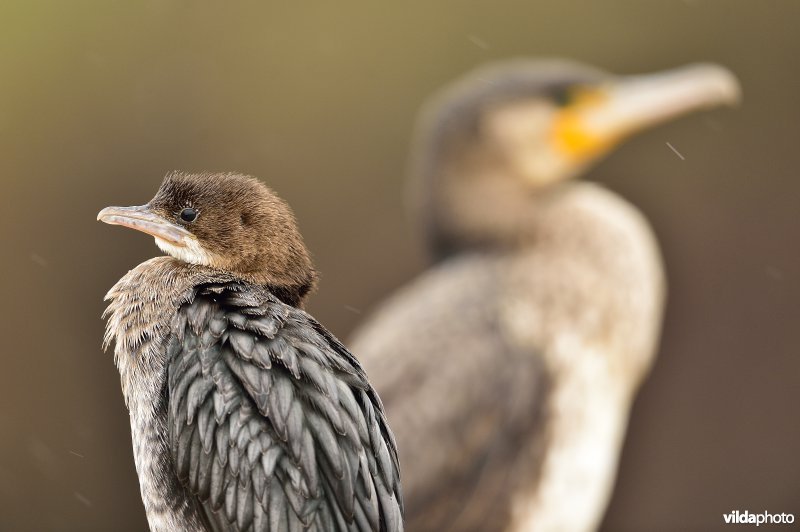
[{"x": 192, "y": 252}]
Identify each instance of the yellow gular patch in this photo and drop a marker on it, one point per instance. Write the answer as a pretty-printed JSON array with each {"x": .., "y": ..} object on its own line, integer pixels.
[{"x": 571, "y": 134}]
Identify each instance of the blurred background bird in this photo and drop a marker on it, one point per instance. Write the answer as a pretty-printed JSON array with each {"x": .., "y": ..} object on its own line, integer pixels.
[{"x": 508, "y": 368}]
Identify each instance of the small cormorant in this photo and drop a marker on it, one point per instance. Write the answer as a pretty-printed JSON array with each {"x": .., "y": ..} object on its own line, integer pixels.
[
  {"x": 246, "y": 413},
  {"x": 508, "y": 369}
]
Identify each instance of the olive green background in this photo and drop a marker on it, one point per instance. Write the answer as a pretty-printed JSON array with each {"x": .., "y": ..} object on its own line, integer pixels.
[{"x": 98, "y": 99}]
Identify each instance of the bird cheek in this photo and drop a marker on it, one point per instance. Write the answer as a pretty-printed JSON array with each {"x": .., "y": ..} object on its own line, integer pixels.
[{"x": 543, "y": 166}]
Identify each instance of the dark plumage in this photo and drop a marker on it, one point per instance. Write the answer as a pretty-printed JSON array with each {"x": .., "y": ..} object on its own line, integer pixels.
[
  {"x": 509, "y": 367},
  {"x": 246, "y": 414}
]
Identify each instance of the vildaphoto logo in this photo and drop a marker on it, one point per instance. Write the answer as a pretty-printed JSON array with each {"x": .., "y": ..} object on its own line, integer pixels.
[{"x": 764, "y": 518}]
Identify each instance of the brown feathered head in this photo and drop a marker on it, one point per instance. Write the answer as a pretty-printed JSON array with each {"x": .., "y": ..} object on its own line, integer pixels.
[{"x": 228, "y": 222}]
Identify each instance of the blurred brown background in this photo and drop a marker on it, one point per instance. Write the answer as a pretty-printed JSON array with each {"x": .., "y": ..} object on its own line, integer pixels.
[{"x": 99, "y": 99}]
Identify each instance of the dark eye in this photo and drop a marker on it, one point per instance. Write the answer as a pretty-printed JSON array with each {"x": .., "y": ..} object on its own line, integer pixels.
[
  {"x": 563, "y": 97},
  {"x": 188, "y": 214}
]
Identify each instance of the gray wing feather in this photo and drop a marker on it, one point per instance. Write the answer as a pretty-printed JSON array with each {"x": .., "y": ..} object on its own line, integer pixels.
[{"x": 273, "y": 425}]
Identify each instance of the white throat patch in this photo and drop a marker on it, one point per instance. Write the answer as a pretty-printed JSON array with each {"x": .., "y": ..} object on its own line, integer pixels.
[{"x": 192, "y": 252}]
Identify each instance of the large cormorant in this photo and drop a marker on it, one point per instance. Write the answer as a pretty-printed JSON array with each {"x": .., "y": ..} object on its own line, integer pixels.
[
  {"x": 246, "y": 413},
  {"x": 508, "y": 368}
]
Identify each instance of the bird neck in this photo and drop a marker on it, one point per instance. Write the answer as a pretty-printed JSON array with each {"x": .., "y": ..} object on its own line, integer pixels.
[
  {"x": 487, "y": 206},
  {"x": 587, "y": 244}
]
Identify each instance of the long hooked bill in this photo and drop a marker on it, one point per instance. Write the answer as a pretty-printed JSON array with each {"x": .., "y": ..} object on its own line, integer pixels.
[
  {"x": 611, "y": 111},
  {"x": 143, "y": 219}
]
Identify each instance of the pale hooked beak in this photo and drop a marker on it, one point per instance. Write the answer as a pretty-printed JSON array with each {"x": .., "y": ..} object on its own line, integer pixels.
[
  {"x": 143, "y": 219},
  {"x": 602, "y": 115}
]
